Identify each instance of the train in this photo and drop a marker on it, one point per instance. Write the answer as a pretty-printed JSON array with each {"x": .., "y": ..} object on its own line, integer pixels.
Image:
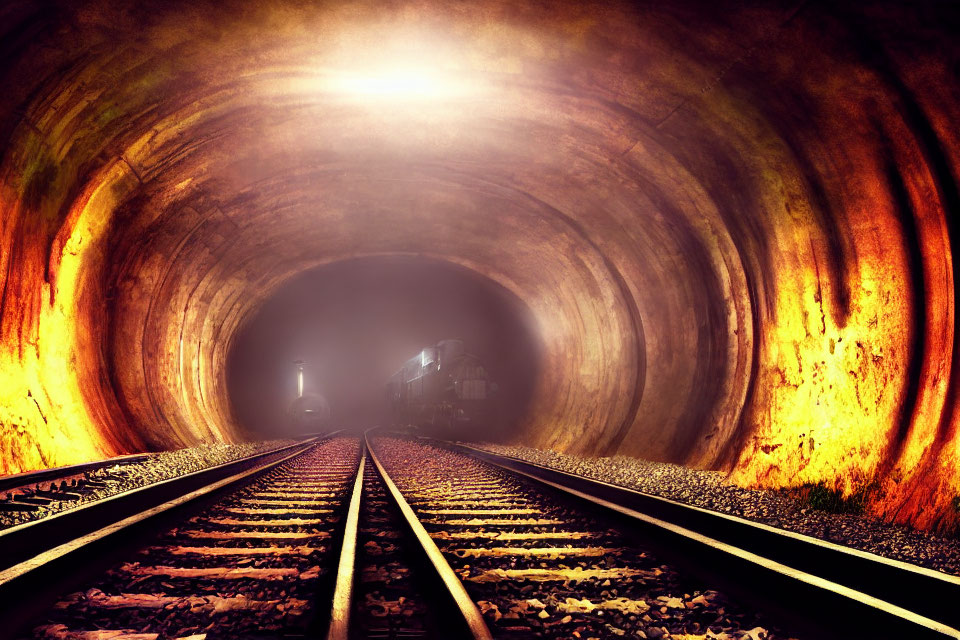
[{"x": 443, "y": 389}]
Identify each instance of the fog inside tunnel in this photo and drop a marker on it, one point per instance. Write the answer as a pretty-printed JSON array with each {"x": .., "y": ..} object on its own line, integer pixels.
[{"x": 355, "y": 323}]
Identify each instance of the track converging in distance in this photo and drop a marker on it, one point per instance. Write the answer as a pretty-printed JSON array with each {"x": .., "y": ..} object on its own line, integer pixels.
[{"x": 399, "y": 537}]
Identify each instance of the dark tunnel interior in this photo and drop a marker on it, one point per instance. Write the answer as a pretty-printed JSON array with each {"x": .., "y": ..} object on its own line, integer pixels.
[{"x": 355, "y": 322}]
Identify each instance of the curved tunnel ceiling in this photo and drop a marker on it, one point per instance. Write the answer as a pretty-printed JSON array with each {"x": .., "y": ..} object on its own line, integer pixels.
[{"x": 733, "y": 226}]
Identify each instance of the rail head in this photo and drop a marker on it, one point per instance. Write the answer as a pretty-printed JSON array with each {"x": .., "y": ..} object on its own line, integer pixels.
[
  {"x": 342, "y": 604},
  {"x": 468, "y": 609}
]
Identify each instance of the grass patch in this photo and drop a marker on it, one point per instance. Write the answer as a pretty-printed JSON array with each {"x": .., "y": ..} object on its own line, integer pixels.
[{"x": 820, "y": 496}]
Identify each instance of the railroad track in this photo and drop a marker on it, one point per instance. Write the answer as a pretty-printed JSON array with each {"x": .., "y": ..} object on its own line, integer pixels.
[
  {"x": 535, "y": 567},
  {"x": 390, "y": 601},
  {"x": 394, "y": 538},
  {"x": 846, "y": 592},
  {"x": 29, "y": 491},
  {"x": 36, "y": 495},
  {"x": 248, "y": 565},
  {"x": 308, "y": 546}
]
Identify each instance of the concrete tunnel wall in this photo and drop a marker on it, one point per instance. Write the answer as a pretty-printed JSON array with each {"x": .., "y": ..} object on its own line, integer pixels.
[{"x": 732, "y": 225}]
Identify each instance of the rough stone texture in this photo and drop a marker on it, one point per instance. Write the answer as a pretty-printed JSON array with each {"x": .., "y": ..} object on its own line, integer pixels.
[{"x": 733, "y": 225}]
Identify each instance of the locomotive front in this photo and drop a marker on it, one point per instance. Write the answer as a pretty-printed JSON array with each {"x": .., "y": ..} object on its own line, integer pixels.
[{"x": 443, "y": 389}]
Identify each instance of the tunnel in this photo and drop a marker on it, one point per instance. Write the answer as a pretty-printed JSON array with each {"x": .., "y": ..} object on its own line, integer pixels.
[
  {"x": 353, "y": 323},
  {"x": 728, "y": 228}
]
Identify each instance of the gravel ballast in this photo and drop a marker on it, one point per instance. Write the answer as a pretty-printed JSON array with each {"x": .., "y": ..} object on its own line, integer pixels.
[
  {"x": 538, "y": 567},
  {"x": 710, "y": 490},
  {"x": 113, "y": 479}
]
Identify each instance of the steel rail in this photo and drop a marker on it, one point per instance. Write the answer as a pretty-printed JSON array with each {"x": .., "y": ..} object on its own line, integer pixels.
[
  {"x": 11, "y": 574},
  {"x": 842, "y": 562},
  {"x": 28, "y": 478},
  {"x": 49, "y": 556},
  {"x": 468, "y": 609},
  {"x": 489, "y": 456},
  {"x": 339, "y": 628},
  {"x": 32, "y": 538}
]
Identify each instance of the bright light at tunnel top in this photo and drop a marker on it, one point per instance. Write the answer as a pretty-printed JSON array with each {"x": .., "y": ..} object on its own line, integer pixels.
[
  {"x": 392, "y": 85},
  {"x": 408, "y": 83},
  {"x": 398, "y": 82},
  {"x": 383, "y": 66}
]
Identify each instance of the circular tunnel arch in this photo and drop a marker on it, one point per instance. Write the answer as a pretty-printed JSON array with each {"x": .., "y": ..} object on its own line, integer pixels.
[{"x": 748, "y": 210}]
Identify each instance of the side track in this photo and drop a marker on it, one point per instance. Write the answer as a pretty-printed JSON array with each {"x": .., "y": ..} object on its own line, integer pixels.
[{"x": 249, "y": 566}]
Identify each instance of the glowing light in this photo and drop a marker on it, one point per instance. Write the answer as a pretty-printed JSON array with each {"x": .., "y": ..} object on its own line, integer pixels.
[
  {"x": 398, "y": 83},
  {"x": 299, "y": 364},
  {"x": 403, "y": 81}
]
